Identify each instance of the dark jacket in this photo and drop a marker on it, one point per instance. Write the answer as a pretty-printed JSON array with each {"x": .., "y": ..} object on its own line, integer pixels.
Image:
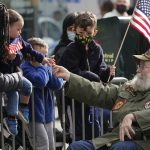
[
  {"x": 88, "y": 64},
  {"x": 60, "y": 49}
]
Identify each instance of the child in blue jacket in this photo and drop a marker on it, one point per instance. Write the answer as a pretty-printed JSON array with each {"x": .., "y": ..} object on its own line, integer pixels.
[{"x": 43, "y": 81}]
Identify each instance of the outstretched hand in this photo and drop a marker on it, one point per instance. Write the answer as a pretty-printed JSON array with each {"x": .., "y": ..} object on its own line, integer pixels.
[
  {"x": 126, "y": 127},
  {"x": 49, "y": 61},
  {"x": 61, "y": 72}
]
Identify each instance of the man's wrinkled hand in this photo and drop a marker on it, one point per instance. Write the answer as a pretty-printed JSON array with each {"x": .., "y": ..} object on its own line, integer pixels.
[
  {"x": 126, "y": 127},
  {"x": 61, "y": 72}
]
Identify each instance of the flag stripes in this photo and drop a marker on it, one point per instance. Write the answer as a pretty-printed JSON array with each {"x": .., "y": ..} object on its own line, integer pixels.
[
  {"x": 15, "y": 46},
  {"x": 141, "y": 18}
]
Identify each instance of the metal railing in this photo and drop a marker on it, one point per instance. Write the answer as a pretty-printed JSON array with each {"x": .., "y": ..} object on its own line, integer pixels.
[{"x": 10, "y": 142}]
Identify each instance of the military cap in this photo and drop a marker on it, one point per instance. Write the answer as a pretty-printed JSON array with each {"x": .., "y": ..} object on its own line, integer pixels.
[{"x": 144, "y": 57}]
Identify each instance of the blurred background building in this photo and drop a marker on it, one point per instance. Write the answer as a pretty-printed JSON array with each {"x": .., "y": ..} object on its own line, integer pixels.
[{"x": 43, "y": 18}]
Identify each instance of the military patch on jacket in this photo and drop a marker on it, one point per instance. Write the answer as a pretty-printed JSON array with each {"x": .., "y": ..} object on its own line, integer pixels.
[
  {"x": 147, "y": 105},
  {"x": 119, "y": 103}
]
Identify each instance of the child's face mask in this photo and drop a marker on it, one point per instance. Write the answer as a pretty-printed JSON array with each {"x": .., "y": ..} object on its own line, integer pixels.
[
  {"x": 84, "y": 39},
  {"x": 85, "y": 35}
]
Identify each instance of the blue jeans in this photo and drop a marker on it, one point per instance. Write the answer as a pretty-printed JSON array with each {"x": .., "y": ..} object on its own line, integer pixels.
[
  {"x": 13, "y": 97},
  {"x": 120, "y": 145}
]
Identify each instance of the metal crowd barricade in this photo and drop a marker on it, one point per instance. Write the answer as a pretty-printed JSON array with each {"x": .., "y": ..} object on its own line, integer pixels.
[
  {"x": 1, "y": 125},
  {"x": 4, "y": 132},
  {"x": 27, "y": 134},
  {"x": 9, "y": 142}
]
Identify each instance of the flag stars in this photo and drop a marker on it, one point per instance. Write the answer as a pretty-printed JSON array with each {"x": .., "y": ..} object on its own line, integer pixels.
[{"x": 144, "y": 6}]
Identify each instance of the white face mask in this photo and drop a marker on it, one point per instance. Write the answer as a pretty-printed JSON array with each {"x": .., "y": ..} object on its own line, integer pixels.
[{"x": 71, "y": 35}]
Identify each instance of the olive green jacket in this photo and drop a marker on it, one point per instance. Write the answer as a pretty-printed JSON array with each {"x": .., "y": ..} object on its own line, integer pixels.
[{"x": 118, "y": 99}]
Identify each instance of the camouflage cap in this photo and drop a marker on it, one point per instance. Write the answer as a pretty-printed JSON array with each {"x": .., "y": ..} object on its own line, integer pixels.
[{"x": 144, "y": 57}]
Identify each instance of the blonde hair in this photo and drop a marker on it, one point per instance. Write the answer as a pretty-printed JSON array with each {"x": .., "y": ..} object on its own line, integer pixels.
[
  {"x": 35, "y": 41},
  {"x": 14, "y": 16}
]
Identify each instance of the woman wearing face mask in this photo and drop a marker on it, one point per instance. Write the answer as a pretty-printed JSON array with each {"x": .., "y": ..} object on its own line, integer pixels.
[
  {"x": 68, "y": 36},
  {"x": 120, "y": 8}
]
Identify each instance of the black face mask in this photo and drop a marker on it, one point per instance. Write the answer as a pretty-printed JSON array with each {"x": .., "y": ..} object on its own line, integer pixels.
[
  {"x": 121, "y": 8},
  {"x": 83, "y": 40}
]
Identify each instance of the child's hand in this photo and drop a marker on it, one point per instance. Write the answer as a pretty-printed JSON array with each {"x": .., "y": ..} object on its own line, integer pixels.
[
  {"x": 49, "y": 61},
  {"x": 11, "y": 56},
  {"x": 112, "y": 70}
]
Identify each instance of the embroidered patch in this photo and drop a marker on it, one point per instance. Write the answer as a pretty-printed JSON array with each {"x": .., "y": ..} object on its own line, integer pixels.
[
  {"x": 119, "y": 103},
  {"x": 147, "y": 105}
]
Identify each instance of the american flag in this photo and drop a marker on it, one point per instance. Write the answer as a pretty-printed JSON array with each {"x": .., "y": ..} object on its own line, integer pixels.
[
  {"x": 141, "y": 18},
  {"x": 15, "y": 46}
]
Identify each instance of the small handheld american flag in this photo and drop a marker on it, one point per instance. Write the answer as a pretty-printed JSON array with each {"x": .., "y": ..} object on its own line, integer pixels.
[
  {"x": 141, "y": 18},
  {"x": 15, "y": 46}
]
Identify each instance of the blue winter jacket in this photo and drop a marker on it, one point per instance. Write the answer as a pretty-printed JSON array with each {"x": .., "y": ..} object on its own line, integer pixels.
[{"x": 42, "y": 79}]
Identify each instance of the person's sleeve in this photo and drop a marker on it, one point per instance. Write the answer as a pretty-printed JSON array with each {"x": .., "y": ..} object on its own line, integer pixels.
[
  {"x": 38, "y": 76},
  {"x": 18, "y": 60},
  {"x": 105, "y": 75},
  {"x": 10, "y": 81},
  {"x": 92, "y": 93},
  {"x": 70, "y": 60},
  {"x": 103, "y": 69},
  {"x": 30, "y": 54},
  {"x": 100, "y": 70},
  {"x": 143, "y": 119},
  {"x": 90, "y": 76},
  {"x": 54, "y": 83}
]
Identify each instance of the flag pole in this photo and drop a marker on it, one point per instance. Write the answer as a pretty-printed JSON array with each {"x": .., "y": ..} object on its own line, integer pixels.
[
  {"x": 123, "y": 38},
  {"x": 118, "y": 53},
  {"x": 121, "y": 44}
]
